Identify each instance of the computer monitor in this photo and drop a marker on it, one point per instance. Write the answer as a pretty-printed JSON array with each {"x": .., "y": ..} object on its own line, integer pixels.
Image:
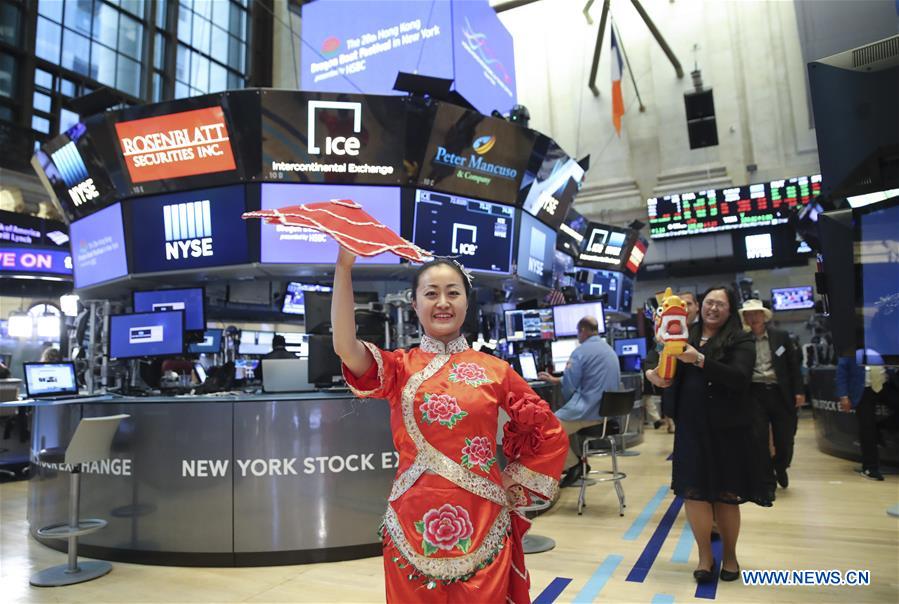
[
  {"x": 532, "y": 324},
  {"x": 255, "y": 342},
  {"x": 50, "y": 379},
  {"x": 792, "y": 298},
  {"x": 285, "y": 375},
  {"x": 324, "y": 364},
  {"x": 297, "y": 343},
  {"x": 294, "y": 297},
  {"x": 630, "y": 363},
  {"x": 146, "y": 334},
  {"x": 191, "y": 300},
  {"x": 631, "y": 346},
  {"x": 318, "y": 309},
  {"x": 245, "y": 369},
  {"x": 528, "y": 366},
  {"x": 566, "y": 317},
  {"x": 210, "y": 344},
  {"x": 561, "y": 351}
]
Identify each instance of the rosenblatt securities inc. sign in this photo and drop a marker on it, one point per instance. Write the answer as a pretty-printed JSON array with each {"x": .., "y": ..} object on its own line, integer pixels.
[{"x": 176, "y": 145}]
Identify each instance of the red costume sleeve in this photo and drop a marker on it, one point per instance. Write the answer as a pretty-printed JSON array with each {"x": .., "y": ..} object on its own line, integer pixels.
[
  {"x": 380, "y": 379},
  {"x": 534, "y": 442}
]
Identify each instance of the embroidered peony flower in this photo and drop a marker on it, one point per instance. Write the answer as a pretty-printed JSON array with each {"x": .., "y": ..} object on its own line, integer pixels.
[
  {"x": 469, "y": 373},
  {"x": 445, "y": 528},
  {"x": 441, "y": 408},
  {"x": 478, "y": 452}
]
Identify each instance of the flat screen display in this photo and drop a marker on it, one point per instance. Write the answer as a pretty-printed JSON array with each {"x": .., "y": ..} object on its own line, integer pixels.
[
  {"x": 245, "y": 369},
  {"x": 877, "y": 269},
  {"x": 195, "y": 229},
  {"x": 149, "y": 334},
  {"x": 536, "y": 247},
  {"x": 792, "y": 298},
  {"x": 712, "y": 210},
  {"x": 297, "y": 343},
  {"x": 605, "y": 246},
  {"x": 50, "y": 379},
  {"x": 548, "y": 193},
  {"x": 365, "y": 53},
  {"x": 479, "y": 233},
  {"x": 476, "y": 155},
  {"x": 210, "y": 344},
  {"x": 631, "y": 346},
  {"x": 34, "y": 260},
  {"x": 255, "y": 342},
  {"x": 528, "y": 366},
  {"x": 566, "y": 317},
  {"x": 98, "y": 247},
  {"x": 571, "y": 233},
  {"x": 759, "y": 246},
  {"x": 294, "y": 297},
  {"x": 299, "y": 245},
  {"x": 191, "y": 300},
  {"x": 561, "y": 352},
  {"x": 532, "y": 324}
]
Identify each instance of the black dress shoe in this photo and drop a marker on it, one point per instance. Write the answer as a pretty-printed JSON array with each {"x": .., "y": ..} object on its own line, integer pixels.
[
  {"x": 782, "y": 479},
  {"x": 729, "y": 575},
  {"x": 704, "y": 576}
]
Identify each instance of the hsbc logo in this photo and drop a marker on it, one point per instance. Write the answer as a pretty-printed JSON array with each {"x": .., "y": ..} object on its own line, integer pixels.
[
  {"x": 336, "y": 145},
  {"x": 465, "y": 248},
  {"x": 188, "y": 230}
]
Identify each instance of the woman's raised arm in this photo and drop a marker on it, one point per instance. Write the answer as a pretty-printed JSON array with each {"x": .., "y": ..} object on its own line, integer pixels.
[{"x": 343, "y": 318}]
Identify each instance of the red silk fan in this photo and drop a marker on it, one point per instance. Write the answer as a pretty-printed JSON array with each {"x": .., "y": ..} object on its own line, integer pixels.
[{"x": 350, "y": 225}]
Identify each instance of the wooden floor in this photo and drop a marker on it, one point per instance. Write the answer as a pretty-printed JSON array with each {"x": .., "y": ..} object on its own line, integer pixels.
[{"x": 829, "y": 518}]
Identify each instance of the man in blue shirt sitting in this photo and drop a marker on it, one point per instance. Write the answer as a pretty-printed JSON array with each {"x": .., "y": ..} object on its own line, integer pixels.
[{"x": 591, "y": 370}]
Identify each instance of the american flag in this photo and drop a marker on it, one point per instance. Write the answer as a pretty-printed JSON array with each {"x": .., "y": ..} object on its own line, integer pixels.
[{"x": 554, "y": 297}]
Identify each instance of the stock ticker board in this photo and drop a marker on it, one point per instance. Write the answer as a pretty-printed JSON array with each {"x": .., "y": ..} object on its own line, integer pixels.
[{"x": 714, "y": 210}]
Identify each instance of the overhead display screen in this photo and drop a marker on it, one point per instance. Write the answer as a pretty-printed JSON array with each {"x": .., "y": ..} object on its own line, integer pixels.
[
  {"x": 792, "y": 298},
  {"x": 333, "y": 139},
  {"x": 196, "y": 229},
  {"x": 571, "y": 233},
  {"x": 548, "y": 191},
  {"x": 877, "y": 290},
  {"x": 483, "y": 57},
  {"x": 714, "y": 210},
  {"x": 363, "y": 54},
  {"x": 474, "y": 155},
  {"x": 176, "y": 145},
  {"x": 98, "y": 247},
  {"x": 74, "y": 170},
  {"x": 605, "y": 246},
  {"x": 477, "y": 232},
  {"x": 34, "y": 260},
  {"x": 300, "y": 245},
  {"x": 536, "y": 247}
]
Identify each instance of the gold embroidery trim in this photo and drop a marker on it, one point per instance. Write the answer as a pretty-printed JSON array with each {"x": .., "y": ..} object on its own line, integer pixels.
[
  {"x": 535, "y": 481},
  {"x": 449, "y": 568}
]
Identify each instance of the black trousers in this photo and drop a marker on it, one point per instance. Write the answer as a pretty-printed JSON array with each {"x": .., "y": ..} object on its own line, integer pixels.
[
  {"x": 867, "y": 429},
  {"x": 770, "y": 409}
]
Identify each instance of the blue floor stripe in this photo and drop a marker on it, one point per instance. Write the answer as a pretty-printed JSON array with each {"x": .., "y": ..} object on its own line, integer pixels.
[
  {"x": 662, "y": 599},
  {"x": 552, "y": 591},
  {"x": 654, "y": 545},
  {"x": 643, "y": 519},
  {"x": 598, "y": 580},
  {"x": 684, "y": 546},
  {"x": 708, "y": 590}
]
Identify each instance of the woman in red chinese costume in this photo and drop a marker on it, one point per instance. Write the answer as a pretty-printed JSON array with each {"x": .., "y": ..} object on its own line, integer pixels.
[{"x": 451, "y": 533}]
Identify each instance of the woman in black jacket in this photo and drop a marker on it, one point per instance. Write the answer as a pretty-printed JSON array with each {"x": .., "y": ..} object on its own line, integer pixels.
[{"x": 716, "y": 464}]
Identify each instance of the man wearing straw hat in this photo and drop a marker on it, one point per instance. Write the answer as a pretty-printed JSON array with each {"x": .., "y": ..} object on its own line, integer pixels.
[{"x": 776, "y": 389}]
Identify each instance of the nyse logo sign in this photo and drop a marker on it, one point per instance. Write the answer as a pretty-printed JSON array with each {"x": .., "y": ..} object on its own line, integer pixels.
[
  {"x": 337, "y": 145},
  {"x": 74, "y": 174},
  {"x": 548, "y": 203},
  {"x": 188, "y": 230},
  {"x": 464, "y": 248}
]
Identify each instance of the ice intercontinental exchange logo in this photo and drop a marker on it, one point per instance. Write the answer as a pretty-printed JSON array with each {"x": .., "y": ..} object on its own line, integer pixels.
[{"x": 188, "y": 230}]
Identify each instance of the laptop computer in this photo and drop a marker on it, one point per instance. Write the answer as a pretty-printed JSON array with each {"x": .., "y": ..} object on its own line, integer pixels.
[
  {"x": 50, "y": 380},
  {"x": 286, "y": 375}
]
